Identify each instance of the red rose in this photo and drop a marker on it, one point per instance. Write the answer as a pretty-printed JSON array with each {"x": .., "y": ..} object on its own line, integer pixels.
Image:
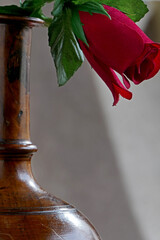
[{"x": 119, "y": 45}]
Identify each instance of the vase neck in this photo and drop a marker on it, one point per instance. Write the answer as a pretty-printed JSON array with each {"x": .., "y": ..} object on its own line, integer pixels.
[{"x": 15, "y": 43}]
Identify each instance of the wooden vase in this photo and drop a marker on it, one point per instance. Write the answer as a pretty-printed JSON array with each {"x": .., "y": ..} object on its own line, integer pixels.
[{"x": 27, "y": 212}]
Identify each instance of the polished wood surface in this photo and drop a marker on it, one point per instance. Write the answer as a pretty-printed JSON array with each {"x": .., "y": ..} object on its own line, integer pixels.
[{"x": 26, "y": 210}]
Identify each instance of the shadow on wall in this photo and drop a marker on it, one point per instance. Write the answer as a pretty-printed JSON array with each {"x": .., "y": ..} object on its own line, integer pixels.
[
  {"x": 76, "y": 159},
  {"x": 153, "y": 27}
]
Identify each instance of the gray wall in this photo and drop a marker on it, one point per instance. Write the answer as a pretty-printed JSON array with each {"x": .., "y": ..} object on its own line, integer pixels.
[{"x": 76, "y": 159}]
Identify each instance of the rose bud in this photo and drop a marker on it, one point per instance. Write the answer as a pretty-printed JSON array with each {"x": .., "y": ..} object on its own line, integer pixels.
[{"x": 118, "y": 44}]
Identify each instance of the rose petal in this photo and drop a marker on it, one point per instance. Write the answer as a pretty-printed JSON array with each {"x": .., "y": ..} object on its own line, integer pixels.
[
  {"x": 107, "y": 74},
  {"x": 113, "y": 42},
  {"x": 126, "y": 81},
  {"x": 124, "y": 19},
  {"x": 146, "y": 66}
]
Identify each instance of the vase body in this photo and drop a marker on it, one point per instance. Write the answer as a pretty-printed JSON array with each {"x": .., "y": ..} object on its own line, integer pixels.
[{"x": 26, "y": 210}]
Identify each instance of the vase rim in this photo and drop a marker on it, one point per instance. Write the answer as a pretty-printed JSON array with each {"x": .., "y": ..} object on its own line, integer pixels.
[{"x": 29, "y": 21}]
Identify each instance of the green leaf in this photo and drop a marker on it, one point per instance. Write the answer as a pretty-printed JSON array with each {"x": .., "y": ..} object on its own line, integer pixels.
[
  {"x": 39, "y": 14},
  {"x": 34, "y": 7},
  {"x": 135, "y": 9},
  {"x": 77, "y": 26},
  {"x": 65, "y": 49},
  {"x": 34, "y": 4},
  {"x": 90, "y": 7},
  {"x": 13, "y": 10},
  {"x": 93, "y": 7},
  {"x": 58, "y": 7}
]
